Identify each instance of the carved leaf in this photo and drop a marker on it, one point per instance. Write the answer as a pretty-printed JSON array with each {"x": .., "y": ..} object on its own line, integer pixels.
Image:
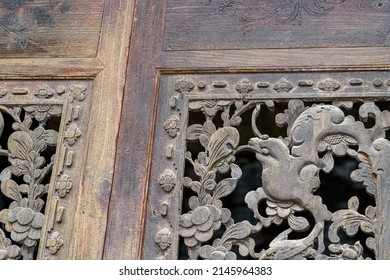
[
  {"x": 350, "y": 221},
  {"x": 327, "y": 162},
  {"x": 298, "y": 224},
  {"x": 1, "y": 123},
  {"x": 50, "y": 137},
  {"x": 295, "y": 108},
  {"x": 225, "y": 187},
  {"x": 194, "y": 132},
  {"x": 364, "y": 174},
  {"x": 6, "y": 173},
  {"x": 246, "y": 247},
  {"x": 10, "y": 189},
  {"x": 237, "y": 231},
  {"x": 371, "y": 244},
  {"x": 199, "y": 169},
  {"x": 353, "y": 203},
  {"x": 222, "y": 144},
  {"x": 369, "y": 109},
  {"x": 20, "y": 144},
  {"x": 209, "y": 127}
]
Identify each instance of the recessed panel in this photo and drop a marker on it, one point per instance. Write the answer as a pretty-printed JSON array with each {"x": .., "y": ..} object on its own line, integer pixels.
[
  {"x": 251, "y": 24},
  {"x": 50, "y": 28}
]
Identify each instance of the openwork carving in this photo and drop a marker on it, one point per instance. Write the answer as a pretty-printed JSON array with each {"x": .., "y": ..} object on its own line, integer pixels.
[
  {"x": 315, "y": 133},
  {"x": 37, "y": 137}
]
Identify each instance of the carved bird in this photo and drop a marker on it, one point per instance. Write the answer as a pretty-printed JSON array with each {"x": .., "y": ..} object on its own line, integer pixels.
[{"x": 291, "y": 170}]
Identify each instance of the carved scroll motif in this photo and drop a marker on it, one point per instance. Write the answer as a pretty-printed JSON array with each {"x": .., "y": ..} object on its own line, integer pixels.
[
  {"x": 34, "y": 144},
  {"x": 291, "y": 165}
]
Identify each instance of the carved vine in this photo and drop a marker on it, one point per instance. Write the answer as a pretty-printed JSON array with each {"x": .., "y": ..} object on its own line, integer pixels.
[
  {"x": 30, "y": 150},
  {"x": 315, "y": 135}
]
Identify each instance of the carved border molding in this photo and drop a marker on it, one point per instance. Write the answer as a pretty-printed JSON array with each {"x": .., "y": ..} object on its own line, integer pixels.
[
  {"x": 50, "y": 205},
  {"x": 223, "y": 99}
]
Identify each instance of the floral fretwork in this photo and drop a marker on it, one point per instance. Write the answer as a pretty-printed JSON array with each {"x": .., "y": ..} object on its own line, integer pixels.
[
  {"x": 24, "y": 183},
  {"x": 314, "y": 139}
]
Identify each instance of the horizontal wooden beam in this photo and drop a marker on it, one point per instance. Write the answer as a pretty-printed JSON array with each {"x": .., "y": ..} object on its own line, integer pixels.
[
  {"x": 276, "y": 59},
  {"x": 50, "y": 68}
]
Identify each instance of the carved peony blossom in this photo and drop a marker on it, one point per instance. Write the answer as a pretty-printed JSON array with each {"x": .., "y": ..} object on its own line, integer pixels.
[
  {"x": 72, "y": 134},
  {"x": 54, "y": 242},
  {"x": 217, "y": 252},
  {"x": 334, "y": 144},
  {"x": 164, "y": 238},
  {"x": 199, "y": 225},
  {"x": 7, "y": 250},
  {"x": 172, "y": 126},
  {"x": 64, "y": 185},
  {"x": 23, "y": 223},
  {"x": 244, "y": 86},
  {"x": 184, "y": 85},
  {"x": 167, "y": 180},
  {"x": 283, "y": 85},
  {"x": 78, "y": 92},
  {"x": 329, "y": 85},
  {"x": 279, "y": 211}
]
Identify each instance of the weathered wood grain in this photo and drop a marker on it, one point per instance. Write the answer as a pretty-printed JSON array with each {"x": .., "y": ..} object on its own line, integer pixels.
[
  {"x": 128, "y": 198},
  {"x": 274, "y": 60},
  {"x": 63, "y": 28},
  {"x": 50, "y": 68},
  {"x": 93, "y": 199},
  {"x": 228, "y": 24}
]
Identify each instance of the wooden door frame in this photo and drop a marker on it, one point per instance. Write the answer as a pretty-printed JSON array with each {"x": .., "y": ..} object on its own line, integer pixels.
[
  {"x": 106, "y": 73},
  {"x": 147, "y": 62}
]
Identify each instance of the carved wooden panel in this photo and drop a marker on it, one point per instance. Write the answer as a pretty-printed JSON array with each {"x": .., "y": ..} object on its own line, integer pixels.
[
  {"x": 248, "y": 24},
  {"x": 50, "y": 28},
  {"x": 270, "y": 166},
  {"x": 43, "y": 128}
]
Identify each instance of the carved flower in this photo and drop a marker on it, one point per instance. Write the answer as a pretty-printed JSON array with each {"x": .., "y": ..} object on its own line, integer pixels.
[
  {"x": 44, "y": 92},
  {"x": 217, "y": 252},
  {"x": 329, "y": 85},
  {"x": 64, "y": 185},
  {"x": 348, "y": 252},
  {"x": 209, "y": 107},
  {"x": 172, "y": 126},
  {"x": 280, "y": 211},
  {"x": 334, "y": 144},
  {"x": 164, "y": 238},
  {"x": 78, "y": 92},
  {"x": 42, "y": 112},
  {"x": 72, "y": 134},
  {"x": 7, "y": 250},
  {"x": 54, "y": 242},
  {"x": 283, "y": 85},
  {"x": 23, "y": 223},
  {"x": 199, "y": 225},
  {"x": 167, "y": 180},
  {"x": 244, "y": 86},
  {"x": 184, "y": 85}
]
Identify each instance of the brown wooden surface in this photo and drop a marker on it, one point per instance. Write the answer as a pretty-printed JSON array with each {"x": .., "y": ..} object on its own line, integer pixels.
[
  {"x": 44, "y": 28},
  {"x": 97, "y": 54},
  {"x": 275, "y": 24},
  {"x": 49, "y": 68},
  {"x": 94, "y": 196},
  {"x": 203, "y": 51},
  {"x": 127, "y": 205}
]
